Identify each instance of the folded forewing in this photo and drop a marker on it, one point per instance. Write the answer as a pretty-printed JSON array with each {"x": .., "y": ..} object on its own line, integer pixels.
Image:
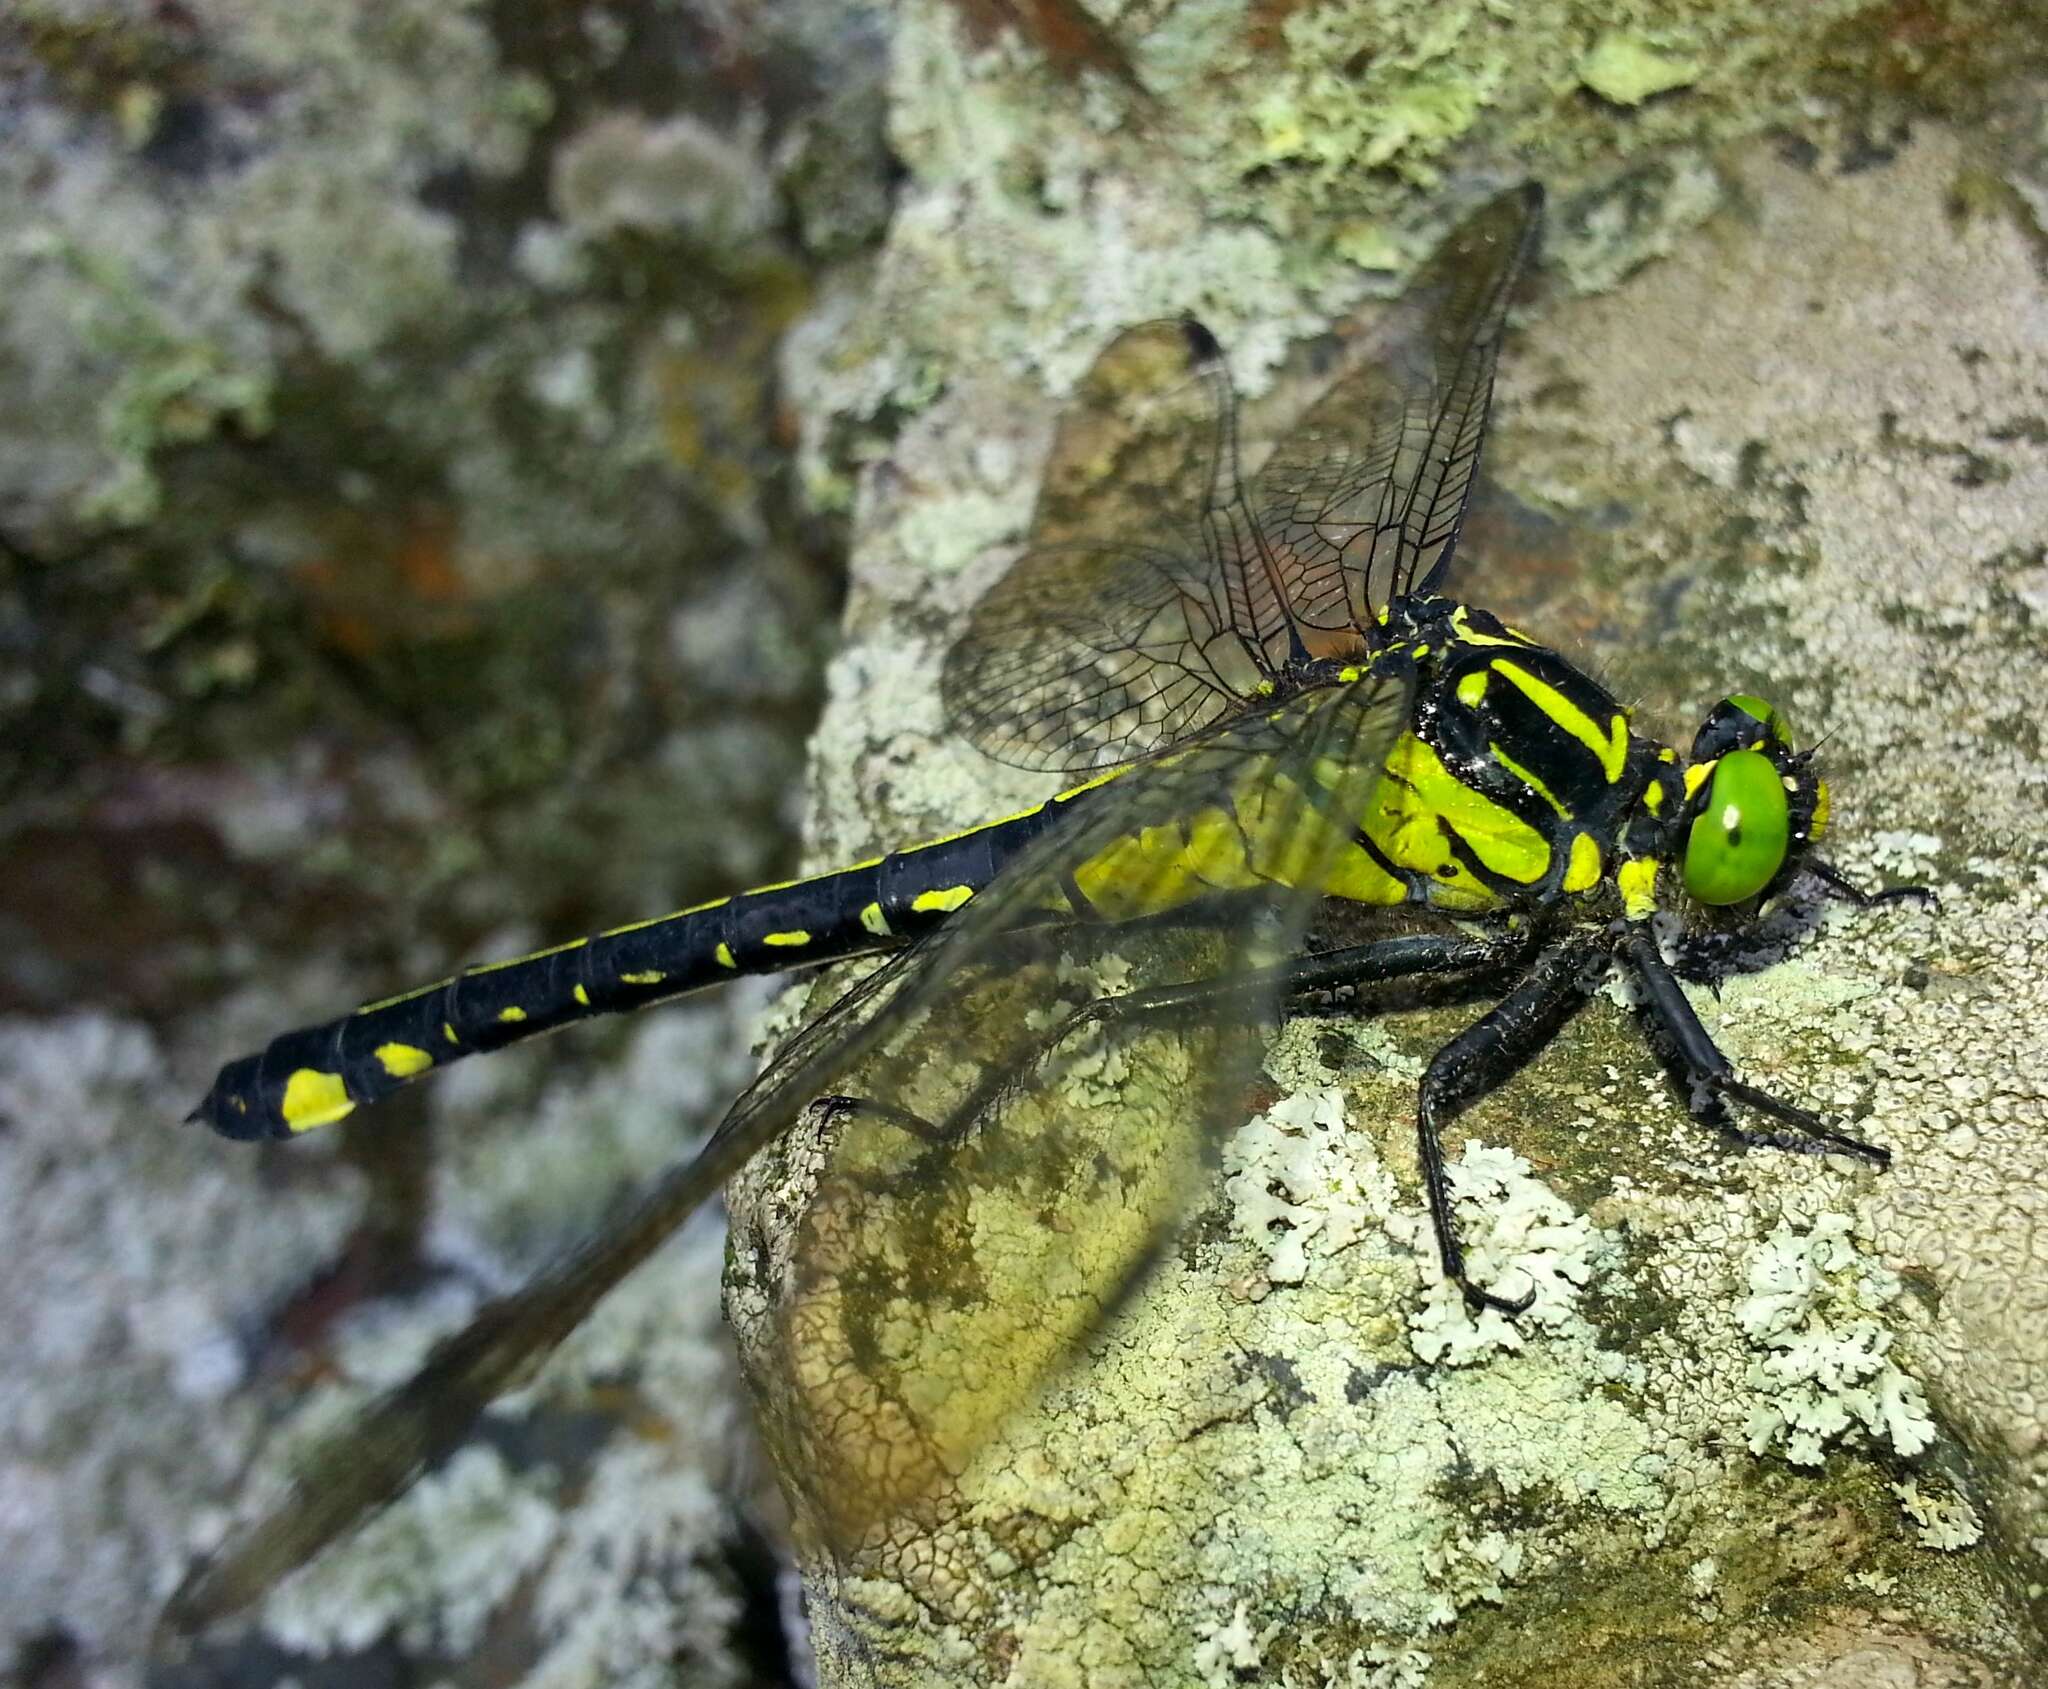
[{"x": 1361, "y": 501}]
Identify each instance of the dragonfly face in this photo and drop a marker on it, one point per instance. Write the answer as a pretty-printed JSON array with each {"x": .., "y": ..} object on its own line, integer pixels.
[{"x": 1740, "y": 819}]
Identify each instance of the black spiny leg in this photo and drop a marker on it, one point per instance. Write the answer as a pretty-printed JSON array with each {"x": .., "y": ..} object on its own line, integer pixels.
[
  {"x": 1484, "y": 1057},
  {"x": 1845, "y": 890},
  {"x": 1709, "y": 1074},
  {"x": 1299, "y": 983}
]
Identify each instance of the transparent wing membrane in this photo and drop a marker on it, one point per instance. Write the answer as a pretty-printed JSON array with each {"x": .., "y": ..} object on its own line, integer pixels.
[
  {"x": 1157, "y": 593},
  {"x": 1116, "y": 632},
  {"x": 912, "y": 1210},
  {"x": 1364, "y": 496},
  {"x": 1008, "y": 1164}
]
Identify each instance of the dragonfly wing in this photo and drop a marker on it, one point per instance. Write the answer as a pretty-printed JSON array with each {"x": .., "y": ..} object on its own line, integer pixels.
[
  {"x": 1122, "y": 628},
  {"x": 1362, "y": 500},
  {"x": 999, "y": 1188},
  {"x": 345, "y": 1478},
  {"x": 875, "y": 1029},
  {"x": 1157, "y": 594}
]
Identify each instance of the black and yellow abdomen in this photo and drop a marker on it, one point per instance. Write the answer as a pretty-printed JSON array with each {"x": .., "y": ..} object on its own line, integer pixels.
[
  {"x": 1506, "y": 790},
  {"x": 317, "y": 1074}
]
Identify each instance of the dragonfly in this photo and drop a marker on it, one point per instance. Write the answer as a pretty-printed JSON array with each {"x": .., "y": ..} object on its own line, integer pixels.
[{"x": 1270, "y": 708}]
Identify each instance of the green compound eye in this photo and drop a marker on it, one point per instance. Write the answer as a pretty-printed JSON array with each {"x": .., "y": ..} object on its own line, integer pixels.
[{"x": 1738, "y": 842}]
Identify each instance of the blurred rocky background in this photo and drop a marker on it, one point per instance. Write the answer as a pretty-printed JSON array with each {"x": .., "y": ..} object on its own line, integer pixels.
[{"x": 403, "y": 560}]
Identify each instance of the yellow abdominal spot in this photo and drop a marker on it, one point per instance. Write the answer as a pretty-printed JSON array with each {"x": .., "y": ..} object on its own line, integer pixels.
[
  {"x": 512, "y": 1015},
  {"x": 1637, "y": 882},
  {"x": 723, "y": 955},
  {"x": 1583, "y": 871},
  {"x": 313, "y": 1098},
  {"x": 1610, "y": 746},
  {"x": 786, "y": 940},
  {"x": 402, "y": 1061},
  {"x": 652, "y": 976},
  {"x": 448, "y": 1032},
  {"x": 1163, "y": 867},
  {"x": 582, "y": 996},
  {"x": 1472, "y": 689},
  {"x": 941, "y": 902},
  {"x": 874, "y": 921},
  {"x": 1695, "y": 775}
]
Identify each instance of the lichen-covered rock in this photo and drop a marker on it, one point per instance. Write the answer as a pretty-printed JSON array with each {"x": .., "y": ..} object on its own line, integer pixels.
[{"x": 1792, "y": 450}]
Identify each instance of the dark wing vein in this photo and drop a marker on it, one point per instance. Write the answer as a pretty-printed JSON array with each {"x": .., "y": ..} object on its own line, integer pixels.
[
  {"x": 1121, "y": 629},
  {"x": 942, "y": 1274},
  {"x": 1363, "y": 499},
  {"x": 1157, "y": 594}
]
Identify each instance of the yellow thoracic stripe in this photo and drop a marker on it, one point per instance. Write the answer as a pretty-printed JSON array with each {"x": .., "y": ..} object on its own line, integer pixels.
[
  {"x": 1529, "y": 779},
  {"x": 1608, "y": 745},
  {"x": 1461, "y": 624},
  {"x": 1499, "y": 838}
]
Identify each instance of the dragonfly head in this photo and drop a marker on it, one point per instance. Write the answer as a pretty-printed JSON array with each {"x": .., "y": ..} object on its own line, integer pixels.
[{"x": 1753, "y": 804}]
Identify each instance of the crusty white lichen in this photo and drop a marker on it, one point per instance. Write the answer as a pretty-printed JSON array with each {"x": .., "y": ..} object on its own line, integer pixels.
[
  {"x": 1825, "y": 1374},
  {"x": 1520, "y": 1239}
]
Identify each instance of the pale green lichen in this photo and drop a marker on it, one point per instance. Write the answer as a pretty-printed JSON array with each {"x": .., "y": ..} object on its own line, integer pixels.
[
  {"x": 1628, "y": 69},
  {"x": 1521, "y": 1240},
  {"x": 1947, "y": 1521}
]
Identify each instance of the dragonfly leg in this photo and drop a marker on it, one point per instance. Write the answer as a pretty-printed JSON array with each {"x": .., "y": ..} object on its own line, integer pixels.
[
  {"x": 1711, "y": 1076},
  {"x": 1484, "y": 1057},
  {"x": 834, "y": 1109},
  {"x": 1845, "y": 890},
  {"x": 1440, "y": 956},
  {"x": 1309, "y": 977}
]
